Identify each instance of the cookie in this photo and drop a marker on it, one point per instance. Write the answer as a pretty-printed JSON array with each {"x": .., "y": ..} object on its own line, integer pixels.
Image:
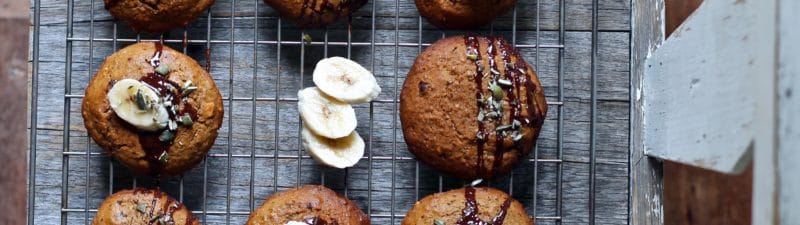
[
  {"x": 313, "y": 13},
  {"x": 468, "y": 206},
  {"x": 156, "y": 16},
  {"x": 186, "y": 93},
  {"x": 308, "y": 205},
  {"x": 471, "y": 107},
  {"x": 462, "y": 14},
  {"x": 142, "y": 207}
]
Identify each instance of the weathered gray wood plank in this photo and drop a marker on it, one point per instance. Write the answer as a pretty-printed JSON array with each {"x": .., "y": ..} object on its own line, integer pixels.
[
  {"x": 646, "y": 173},
  {"x": 788, "y": 105},
  {"x": 386, "y": 138}
]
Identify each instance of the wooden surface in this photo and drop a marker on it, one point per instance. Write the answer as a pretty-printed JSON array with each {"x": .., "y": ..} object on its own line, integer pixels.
[
  {"x": 646, "y": 173},
  {"x": 697, "y": 196},
  {"x": 379, "y": 185},
  {"x": 13, "y": 113},
  {"x": 677, "y": 11},
  {"x": 789, "y": 104},
  {"x": 704, "y": 88}
]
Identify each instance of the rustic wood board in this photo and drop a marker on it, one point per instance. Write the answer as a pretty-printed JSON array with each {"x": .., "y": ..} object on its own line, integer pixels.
[
  {"x": 694, "y": 195},
  {"x": 646, "y": 173},
  {"x": 370, "y": 184},
  {"x": 13, "y": 114}
]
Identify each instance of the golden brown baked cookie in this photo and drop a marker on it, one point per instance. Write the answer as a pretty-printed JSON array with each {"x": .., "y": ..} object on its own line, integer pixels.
[
  {"x": 142, "y": 207},
  {"x": 156, "y": 16},
  {"x": 311, "y": 205},
  {"x": 462, "y": 14},
  {"x": 155, "y": 152},
  {"x": 471, "y": 107},
  {"x": 468, "y": 206},
  {"x": 315, "y": 13}
]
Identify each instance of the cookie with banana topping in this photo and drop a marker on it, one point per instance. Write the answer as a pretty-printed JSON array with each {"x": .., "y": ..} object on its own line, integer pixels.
[
  {"x": 471, "y": 107},
  {"x": 153, "y": 109}
]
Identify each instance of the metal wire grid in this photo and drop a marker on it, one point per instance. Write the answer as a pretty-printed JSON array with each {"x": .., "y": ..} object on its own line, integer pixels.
[{"x": 231, "y": 100}]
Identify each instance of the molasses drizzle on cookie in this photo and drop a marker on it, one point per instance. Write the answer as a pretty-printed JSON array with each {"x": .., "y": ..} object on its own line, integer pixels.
[
  {"x": 518, "y": 72},
  {"x": 166, "y": 215},
  {"x": 110, "y": 4},
  {"x": 509, "y": 83},
  {"x": 516, "y": 75},
  {"x": 470, "y": 213},
  {"x": 495, "y": 84},
  {"x": 318, "y": 221},
  {"x": 474, "y": 54},
  {"x": 156, "y": 146}
]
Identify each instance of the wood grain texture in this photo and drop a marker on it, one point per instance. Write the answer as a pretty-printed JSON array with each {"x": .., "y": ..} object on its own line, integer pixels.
[
  {"x": 13, "y": 113},
  {"x": 692, "y": 195},
  {"x": 697, "y": 196},
  {"x": 646, "y": 173},
  {"x": 677, "y": 11},
  {"x": 789, "y": 105},
  {"x": 267, "y": 70}
]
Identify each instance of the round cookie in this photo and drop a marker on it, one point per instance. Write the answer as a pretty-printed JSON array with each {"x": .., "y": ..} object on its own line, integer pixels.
[
  {"x": 462, "y": 14},
  {"x": 143, "y": 151},
  {"x": 311, "y": 205},
  {"x": 156, "y": 16},
  {"x": 468, "y": 114},
  {"x": 142, "y": 207},
  {"x": 468, "y": 206},
  {"x": 313, "y": 13}
]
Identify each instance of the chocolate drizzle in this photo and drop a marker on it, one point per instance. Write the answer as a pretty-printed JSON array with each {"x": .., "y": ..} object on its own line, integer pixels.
[
  {"x": 499, "y": 146},
  {"x": 470, "y": 215},
  {"x": 458, "y": 1},
  {"x": 473, "y": 49},
  {"x": 208, "y": 60},
  {"x": 515, "y": 74},
  {"x": 501, "y": 215},
  {"x": 110, "y": 4},
  {"x": 155, "y": 61},
  {"x": 318, "y": 221},
  {"x": 150, "y": 142},
  {"x": 517, "y": 71},
  {"x": 166, "y": 214},
  {"x": 153, "y": 148}
]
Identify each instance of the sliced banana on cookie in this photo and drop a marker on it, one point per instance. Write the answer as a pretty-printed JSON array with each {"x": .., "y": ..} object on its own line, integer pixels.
[
  {"x": 325, "y": 116},
  {"x": 138, "y": 104},
  {"x": 338, "y": 153},
  {"x": 346, "y": 80}
]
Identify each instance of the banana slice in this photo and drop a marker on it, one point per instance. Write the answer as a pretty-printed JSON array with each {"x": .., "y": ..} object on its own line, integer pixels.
[
  {"x": 338, "y": 153},
  {"x": 346, "y": 80},
  {"x": 324, "y": 115},
  {"x": 138, "y": 104}
]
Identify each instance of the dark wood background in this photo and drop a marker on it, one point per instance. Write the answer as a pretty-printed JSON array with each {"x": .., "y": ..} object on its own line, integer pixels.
[
  {"x": 383, "y": 186},
  {"x": 13, "y": 110}
]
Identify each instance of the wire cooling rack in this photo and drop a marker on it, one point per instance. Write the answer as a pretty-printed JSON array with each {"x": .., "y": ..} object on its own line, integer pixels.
[{"x": 259, "y": 62}]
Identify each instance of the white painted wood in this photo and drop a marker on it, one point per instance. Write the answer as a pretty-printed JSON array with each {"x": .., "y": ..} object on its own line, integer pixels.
[
  {"x": 705, "y": 102},
  {"x": 646, "y": 173},
  {"x": 789, "y": 111}
]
